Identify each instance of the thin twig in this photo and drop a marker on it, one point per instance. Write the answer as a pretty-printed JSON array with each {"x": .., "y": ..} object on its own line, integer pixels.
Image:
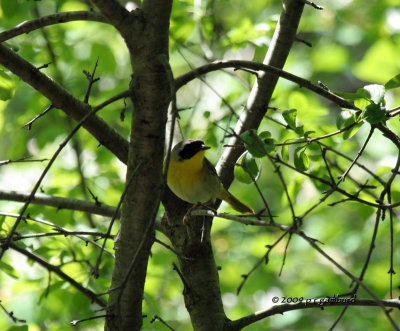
[
  {"x": 156, "y": 316},
  {"x": 259, "y": 262},
  {"x": 343, "y": 177},
  {"x": 29, "y": 124},
  {"x": 76, "y": 322},
  {"x": 21, "y": 160},
  {"x": 10, "y": 314}
]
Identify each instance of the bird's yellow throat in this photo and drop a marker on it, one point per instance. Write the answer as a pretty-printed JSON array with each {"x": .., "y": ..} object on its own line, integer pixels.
[{"x": 191, "y": 165}]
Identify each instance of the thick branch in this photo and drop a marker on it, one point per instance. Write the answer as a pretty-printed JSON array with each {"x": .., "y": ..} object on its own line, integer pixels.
[
  {"x": 60, "y": 203},
  {"x": 310, "y": 303},
  {"x": 125, "y": 22},
  {"x": 151, "y": 94},
  {"x": 261, "y": 93},
  {"x": 63, "y": 100},
  {"x": 31, "y": 25}
]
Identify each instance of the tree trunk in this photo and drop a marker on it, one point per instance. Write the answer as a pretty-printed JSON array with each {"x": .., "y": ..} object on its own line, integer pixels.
[{"x": 148, "y": 45}]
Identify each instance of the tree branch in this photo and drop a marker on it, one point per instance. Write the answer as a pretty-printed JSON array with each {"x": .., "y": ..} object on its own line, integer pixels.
[
  {"x": 125, "y": 22},
  {"x": 63, "y": 100},
  {"x": 274, "y": 71},
  {"x": 310, "y": 303},
  {"x": 60, "y": 203},
  {"x": 61, "y": 229},
  {"x": 31, "y": 25},
  {"x": 146, "y": 34}
]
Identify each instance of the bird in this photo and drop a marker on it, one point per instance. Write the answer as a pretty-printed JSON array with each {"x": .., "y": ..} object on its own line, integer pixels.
[{"x": 193, "y": 178}]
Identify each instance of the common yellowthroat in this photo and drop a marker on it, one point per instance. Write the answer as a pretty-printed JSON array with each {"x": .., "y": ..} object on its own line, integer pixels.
[{"x": 194, "y": 179}]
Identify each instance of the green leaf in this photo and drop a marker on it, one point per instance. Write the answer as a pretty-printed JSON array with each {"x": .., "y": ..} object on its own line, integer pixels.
[
  {"x": 301, "y": 161},
  {"x": 7, "y": 86},
  {"x": 285, "y": 153},
  {"x": 290, "y": 117},
  {"x": 362, "y": 103},
  {"x": 376, "y": 93},
  {"x": 353, "y": 130},
  {"x": 9, "y": 270},
  {"x": 374, "y": 113},
  {"x": 254, "y": 144},
  {"x": 393, "y": 83},
  {"x": 269, "y": 142},
  {"x": 246, "y": 169},
  {"x": 349, "y": 96},
  {"x": 364, "y": 96},
  {"x": 342, "y": 118}
]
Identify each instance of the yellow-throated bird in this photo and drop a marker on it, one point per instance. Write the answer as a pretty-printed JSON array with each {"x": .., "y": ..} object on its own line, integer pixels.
[{"x": 194, "y": 179}]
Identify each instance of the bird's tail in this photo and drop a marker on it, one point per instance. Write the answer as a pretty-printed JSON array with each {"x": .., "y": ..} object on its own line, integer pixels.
[{"x": 234, "y": 202}]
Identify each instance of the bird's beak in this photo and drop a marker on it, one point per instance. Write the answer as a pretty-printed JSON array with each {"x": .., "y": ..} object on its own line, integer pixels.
[{"x": 205, "y": 147}]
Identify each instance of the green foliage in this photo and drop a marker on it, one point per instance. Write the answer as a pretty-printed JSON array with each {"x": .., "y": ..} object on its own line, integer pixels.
[
  {"x": 246, "y": 170},
  {"x": 355, "y": 50}
]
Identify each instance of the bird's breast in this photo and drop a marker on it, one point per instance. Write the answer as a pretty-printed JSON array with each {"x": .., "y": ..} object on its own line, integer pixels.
[{"x": 192, "y": 183}]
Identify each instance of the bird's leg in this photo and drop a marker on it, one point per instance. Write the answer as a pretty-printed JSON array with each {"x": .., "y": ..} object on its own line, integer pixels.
[
  {"x": 194, "y": 207},
  {"x": 187, "y": 215}
]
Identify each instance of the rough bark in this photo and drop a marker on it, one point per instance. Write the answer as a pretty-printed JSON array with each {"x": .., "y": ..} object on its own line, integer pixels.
[
  {"x": 197, "y": 267},
  {"x": 145, "y": 32}
]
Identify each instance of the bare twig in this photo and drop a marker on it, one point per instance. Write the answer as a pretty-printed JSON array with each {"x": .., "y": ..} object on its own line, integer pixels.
[
  {"x": 156, "y": 316},
  {"x": 11, "y": 315},
  {"x": 76, "y": 322},
  {"x": 29, "y": 124},
  {"x": 265, "y": 259},
  {"x": 60, "y": 203},
  {"x": 343, "y": 177},
  {"x": 21, "y": 160}
]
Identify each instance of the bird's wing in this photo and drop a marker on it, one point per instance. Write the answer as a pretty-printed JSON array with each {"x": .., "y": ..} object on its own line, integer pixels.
[{"x": 210, "y": 168}]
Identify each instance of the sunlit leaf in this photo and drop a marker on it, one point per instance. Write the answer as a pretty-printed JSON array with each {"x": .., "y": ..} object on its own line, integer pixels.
[
  {"x": 342, "y": 118},
  {"x": 361, "y": 103},
  {"x": 246, "y": 169},
  {"x": 376, "y": 92},
  {"x": 393, "y": 83},
  {"x": 353, "y": 130},
  {"x": 290, "y": 117},
  {"x": 285, "y": 153}
]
